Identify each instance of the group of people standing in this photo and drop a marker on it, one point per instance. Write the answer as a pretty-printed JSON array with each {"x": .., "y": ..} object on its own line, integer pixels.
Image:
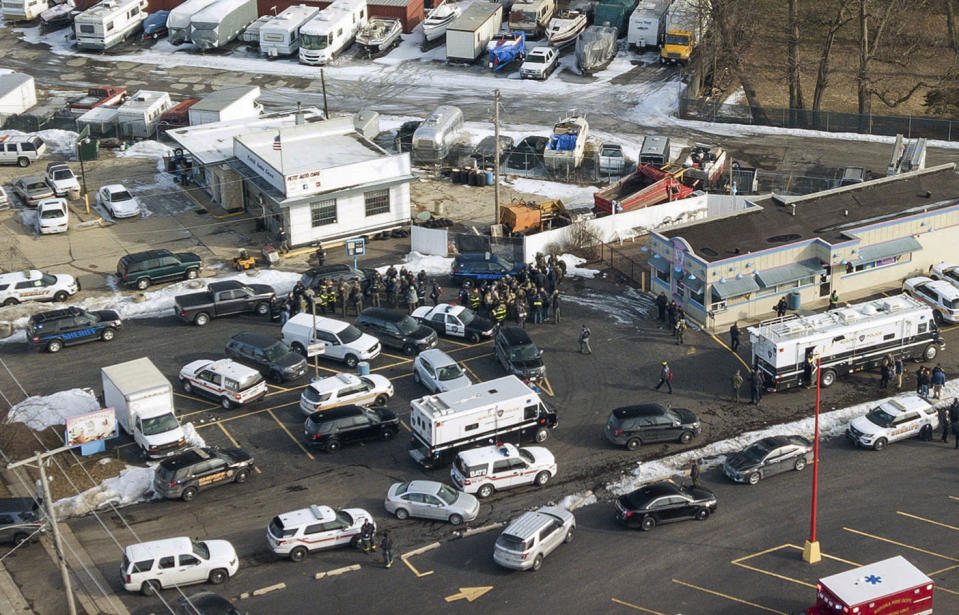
[
  {"x": 672, "y": 314},
  {"x": 532, "y": 295}
]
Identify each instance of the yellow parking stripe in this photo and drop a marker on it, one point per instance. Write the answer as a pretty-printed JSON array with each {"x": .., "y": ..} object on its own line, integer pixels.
[
  {"x": 900, "y": 544},
  {"x": 185, "y": 396},
  {"x": 393, "y": 356},
  {"x": 918, "y": 518},
  {"x": 236, "y": 444},
  {"x": 728, "y": 597},
  {"x": 405, "y": 426},
  {"x": 389, "y": 365},
  {"x": 735, "y": 354},
  {"x": 638, "y": 608},
  {"x": 472, "y": 373},
  {"x": 545, "y": 385},
  {"x": 488, "y": 354},
  {"x": 287, "y": 431},
  {"x": 250, "y": 413},
  {"x": 276, "y": 386},
  {"x": 457, "y": 343}
]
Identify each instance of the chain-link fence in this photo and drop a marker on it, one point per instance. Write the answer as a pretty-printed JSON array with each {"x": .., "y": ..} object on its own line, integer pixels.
[{"x": 510, "y": 248}]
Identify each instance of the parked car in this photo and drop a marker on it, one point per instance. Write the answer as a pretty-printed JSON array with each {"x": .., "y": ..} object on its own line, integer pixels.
[
  {"x": 186, "y": 473},
  {"x": 140, "y": 269},
  {"x": 58, "y": 328},
  {"x": 516, "y": 352},
  {"x": 540, "y": 63},
  {"x": 298, "y": 532},
  {"x": 203, "y": 603},
  {"x": 487, "y": 469},
  {"x": 21, "y": 149},
  {"x": 32, "y": 189},
  {"x": 612, "y": 161},
  {"x": 429, "y": 499},
  {"x": 60, "y": 178},
  {"x": 343, "y": 271},
  {"x": 664, "y": 502},
  {"x": 438, "y": 372},
  {"x": 225, "y": 298},
  {"x": 33, "y": 285},
  {"x": 480, "y": 266},
  {"x": 148, "y": 567},
  {"x": 454, "y": 321},
  {"x": 631, "y": 426},
  {"x": 20, "y": 520},
  {"x": 892, "y": 420},
  {"x": 343, "y": 389},
  {"x": 331, "y": 429},
  {"x": 529, "y": 538},
  {"x": 396, "y": 329},
  {"x": 940, "y": 295},
  {"x": 332, "y": 338},
  {"x": 228, "y": 382},
  {"x": 767, "y": 457},
  {"x": 53, "y": 216},
  {"x": 118, "y": 201},
  {"x": 485, "y": 152},
  {"x": 946, "y": 271},
  {"x": 528, "y": 154},
  {"x": 270, "y": 356}
]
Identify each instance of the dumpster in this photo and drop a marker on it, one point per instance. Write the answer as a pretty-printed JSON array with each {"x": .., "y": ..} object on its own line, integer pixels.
[{"x": 88, "y": 149}]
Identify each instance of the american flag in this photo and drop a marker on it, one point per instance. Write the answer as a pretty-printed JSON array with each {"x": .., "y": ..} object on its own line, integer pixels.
[{"x": 276, "y": 143}]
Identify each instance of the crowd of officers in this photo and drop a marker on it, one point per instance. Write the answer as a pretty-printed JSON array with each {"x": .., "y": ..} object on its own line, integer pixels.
[{"x": 532, "y": 295}]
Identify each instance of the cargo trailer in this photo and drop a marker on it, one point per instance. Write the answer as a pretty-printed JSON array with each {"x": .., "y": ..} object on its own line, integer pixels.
[{"x": 221, "y": 22}]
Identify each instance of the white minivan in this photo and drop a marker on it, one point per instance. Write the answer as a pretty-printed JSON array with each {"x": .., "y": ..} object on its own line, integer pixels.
[
  {"x": 339, "y": 340},
  {"x": 150, "y": 566}
]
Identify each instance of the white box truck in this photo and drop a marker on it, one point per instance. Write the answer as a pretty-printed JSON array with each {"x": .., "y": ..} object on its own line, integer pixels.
[
  {"x": 466, "y": 38},
  {"x": 143, "y": 400}
]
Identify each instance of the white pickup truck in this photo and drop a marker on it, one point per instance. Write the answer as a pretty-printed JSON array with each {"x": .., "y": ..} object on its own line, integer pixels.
[{"x": 894, "y": 419}]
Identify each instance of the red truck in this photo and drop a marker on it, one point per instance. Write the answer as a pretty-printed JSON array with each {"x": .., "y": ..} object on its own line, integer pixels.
[
  {"x": 890, "y": 587},
  {"x": 97, "y": 96},
  {"x": 177, "y": 116},
  {"x": 649, "y": 185}
]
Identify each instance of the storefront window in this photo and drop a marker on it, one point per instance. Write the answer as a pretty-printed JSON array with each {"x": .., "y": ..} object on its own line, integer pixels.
[{"x": 323, "y": 212}]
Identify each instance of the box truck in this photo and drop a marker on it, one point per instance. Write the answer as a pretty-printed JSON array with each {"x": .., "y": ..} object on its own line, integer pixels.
[
  {"x": 143, "y": 400},
  {"x": 466, "y": 38}
]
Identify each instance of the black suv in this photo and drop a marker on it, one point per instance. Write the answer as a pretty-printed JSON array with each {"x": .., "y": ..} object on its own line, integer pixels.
[
  {"x": 141, "y": 269},
  {"x": 333, "y": 428},
  {"x": 396, "y": 329},
  {"x": 312, "y": 277},
  {"x": 518, "y": 355},
  {"x": 58, "y": 328},
  {"x": 20, "y": 520},
  {"x": 271, "y": 356},
  {"x": 181, "y": 476},
  {"x": 631, "y": 426}
]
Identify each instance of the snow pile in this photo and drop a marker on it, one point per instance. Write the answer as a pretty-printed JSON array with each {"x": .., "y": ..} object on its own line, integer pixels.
[
  {"x": 146, "y": 149},
  {"x": 577, "y": 500},
  {"x": 416, "y": 262},
  {"x": 193, "y": 439},
  {"x": 570, "y": 194},
  {"x": 133, "y": 484},
  {"x": 57, "y": 141},
  {"x": 573, "y": 269},
  {"x": 41, "y": 411}
]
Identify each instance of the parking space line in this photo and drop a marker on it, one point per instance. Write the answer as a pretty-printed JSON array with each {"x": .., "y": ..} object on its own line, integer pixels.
[
  {"x": 739, "y": 562},
  {"x": 900, "y": 544},
  {"x": 200, "y": 411},
  {"x": 405, "y": 426},
  {"x": 472, "y": 373},
  {"x": 458, "y": 343},
  {"x": 276, "y": 386},
  {"x": 488, "y": 354},
  {"x": 406, "y": 558},
  {"x": 728, "y": 597},
  {"x": 184, "y": 396},
  {"x": 918, "y": 518},
  {"x": 470, "y": 346},
  {"x": 393, "y": 356},
  {"x": 287, "y": 431},
  {"x": 389, "y": 365},
  {"x": 942, "y": 570},
  {"x": 315, "y": 364},
  {"x": 256, "y": 468},
  {"x": 544, "y": 384},
  {"x": 735, "y": 354},
  {"x": 638, "y": 608},
  {"x": 952, "y": 497}
]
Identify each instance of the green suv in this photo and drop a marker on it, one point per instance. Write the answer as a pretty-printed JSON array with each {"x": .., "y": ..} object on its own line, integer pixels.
[{"x": 141, "y": 269}]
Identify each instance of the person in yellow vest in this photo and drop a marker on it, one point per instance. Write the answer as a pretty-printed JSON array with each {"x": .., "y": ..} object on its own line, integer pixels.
[{"x": 499, "y": 314}]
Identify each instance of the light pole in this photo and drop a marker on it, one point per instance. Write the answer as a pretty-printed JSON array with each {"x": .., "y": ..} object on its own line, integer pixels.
[{"x": 811, "y": 553}]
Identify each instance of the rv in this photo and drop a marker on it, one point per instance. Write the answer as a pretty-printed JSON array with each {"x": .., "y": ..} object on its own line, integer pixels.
[
  {"x": 331, "y": 31},
  {"x": 466, "y": 38},
  {"x": 531, "y": 16},
  {"x": 221, "y": 22},
  {"x": 495, "y": 411},
  {"x": 109, "y": 23},
  {"x": 178, "y": 21},
  {"x": 845, "y": 340},
  {"x": 647, "y": 24},
  {"x": 281, "y": 35},
  {"x": 435, "y": 136},
  {"x": 23, "y": 10},
  {"x": 137, "y": 118}
]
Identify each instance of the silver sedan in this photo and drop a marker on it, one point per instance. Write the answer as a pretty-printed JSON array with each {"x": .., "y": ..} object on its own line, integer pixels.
[{"x": 430, "y": 500}]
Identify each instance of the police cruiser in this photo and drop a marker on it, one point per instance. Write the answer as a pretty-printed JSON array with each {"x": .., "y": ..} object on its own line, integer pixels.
[
  {"x": 894, "y": 419},
  {"x": 230, "y": 383},
  {"x": 33, "y": 285}
]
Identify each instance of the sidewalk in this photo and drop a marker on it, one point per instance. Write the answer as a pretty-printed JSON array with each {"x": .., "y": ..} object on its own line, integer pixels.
[{"x": 12, "y": 601}]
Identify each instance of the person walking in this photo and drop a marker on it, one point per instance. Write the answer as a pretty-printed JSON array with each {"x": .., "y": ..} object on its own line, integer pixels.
[
  {"x": 737, "y": 381},
  {"x": 671, "y": 310},
  {"x": 661, "y": 303},
  {"x": 758, "y": 381},
  {"x": 944, "y": 420},
  {"x": 386, "y": 546},
  {"x": 938, "y": 381},
  {"x": 665, "y": 377},
  {"x": 898, "y": 368},
  {"x": 554, "y": 305},
  {"x": 694, "y": 472},
  {"x": 584, "y": 347},
  {"x": 680, "y": 330},
  {"x": 734, "y": 335}
]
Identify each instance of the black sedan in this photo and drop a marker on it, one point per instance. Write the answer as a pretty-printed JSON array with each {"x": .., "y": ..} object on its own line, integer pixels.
[
  {"x": 768, "y": 456},
  {"x": 664, "y": 502}
]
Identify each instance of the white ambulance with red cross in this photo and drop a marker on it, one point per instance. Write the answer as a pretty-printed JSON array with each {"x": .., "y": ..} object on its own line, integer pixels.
[{"x": 225, "y": 380}]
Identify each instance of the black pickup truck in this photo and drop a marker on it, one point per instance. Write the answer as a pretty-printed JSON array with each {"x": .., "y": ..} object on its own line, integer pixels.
[{"x": 224, "y": 299}]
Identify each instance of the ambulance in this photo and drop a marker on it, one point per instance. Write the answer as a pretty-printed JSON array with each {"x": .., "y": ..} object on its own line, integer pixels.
[{"x": 892, "y": 586}]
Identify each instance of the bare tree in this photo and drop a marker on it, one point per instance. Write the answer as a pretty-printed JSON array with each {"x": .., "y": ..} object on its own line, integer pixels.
[
  {"x": 951, "y": 24},
  {"x": 792, "y": 58},
  {"x": 839, "y": 19},
  {"x": 734, "y": 28}
]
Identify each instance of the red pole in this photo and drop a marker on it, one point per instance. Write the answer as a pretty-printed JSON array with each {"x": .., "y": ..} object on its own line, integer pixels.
[{"x": 815, "y": 458}]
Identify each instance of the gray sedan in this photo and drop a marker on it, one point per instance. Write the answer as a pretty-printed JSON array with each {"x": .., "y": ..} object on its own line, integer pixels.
[
  {"x": 430, "y": 500},
  {"x": 32, "y": 189},
  {"x": 768, "y": 456}
]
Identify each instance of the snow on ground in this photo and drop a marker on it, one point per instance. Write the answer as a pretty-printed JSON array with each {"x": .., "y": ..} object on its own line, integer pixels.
[
  {"x": 193, "y": 439},
  {"x": 133, "y": 484},
  {"x": 41, "y": 411},
  {"x": 571, "y": 194},
  {"x": 574, "y": 270},
  {"x": 625, "y": 308},
  {"x": 146, "y": 149},
  {"x": 415, "y": 262}
]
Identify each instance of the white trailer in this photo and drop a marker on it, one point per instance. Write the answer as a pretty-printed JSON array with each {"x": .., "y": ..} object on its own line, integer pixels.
[
  {"x": 466, "y": 38},
  {"x": 647, "y": 24},
  {"x": 23, "y": 10},
  {"x": 18, "y": 92},
  {"x": 137, "y": 117},
  {"x": 846, "y": 340},
  {"x": 109, "y": 23},
  {"x": 281, "y": 35},
  {"x": 484, "y": 413},
  {"x": 232, "y": 103},
  {"x": 143, "y": 400},
  {"x": 531, "y": 16},
  {"x": 178, "y": 21},
  {"x": 221, "y": 22},
  {"x": 331, "y": 31}
]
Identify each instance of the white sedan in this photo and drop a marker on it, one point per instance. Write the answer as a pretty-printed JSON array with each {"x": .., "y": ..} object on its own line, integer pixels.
[
  {"x": 118, "y": 201},
  {"x": 53, "y": 216},
  {"x": 343, "y": 389},
  {"x": 438, "y": 372}
]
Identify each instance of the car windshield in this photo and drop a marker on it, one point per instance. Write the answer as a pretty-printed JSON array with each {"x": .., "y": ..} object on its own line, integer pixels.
[
  {"x": 277, "y": 529},
  {"x": 535, "y": 59},
  {"x": 48, "y": 280},
  {"x": 349, "y": 334},
  {"x": 311, "y": 395},
  {"x": 253, "y": 379},
  {"x": 755, "y": 452},
  {"x": 638, "y": 498},
  {"x": 407, "y": 326},
  {"x": 37, "y": 186},
  {"x": 446, "y": 494},
  {"x": 952, "y": 274},
  {"x": 314, "y": 41},
  {"x": 200, "y": 549},
  {"x": 677, "y": 39},
  {"x": 526, "y": 352},
  {"x": 121, "y": 195},
  {"x": 344, "y": 517},
  {"x": 449, "y": 372},
  {"x": 511, "y": 543},
  {"x": 951, "y": 303},
  {"x": 466, "y": 317},
  {"x": 277, "y": 351},
  {"x": 880, "y": 417},
  {"x": 63, "y": 174},
  {"x": 159, "y": 424},
  {"x": 526, "y": 455}
]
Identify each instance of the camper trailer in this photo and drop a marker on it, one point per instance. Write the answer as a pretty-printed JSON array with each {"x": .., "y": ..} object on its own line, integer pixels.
[
  {"x": 435, "y": 136},
  {"x": 178, "y": 22},
  {"x": 466, "y": 38},
  {"x": 137, "y": 118},
  {"x": 647, "y": 24},
  {"x": 531, "y": 16},
  {"x": 221, "y": 22},
  {"x": 109, "y": 23},
  {"x": 23, "y": 10},
  {"x": 331, "y": 31},
  {"x": 281, "y": 35}
]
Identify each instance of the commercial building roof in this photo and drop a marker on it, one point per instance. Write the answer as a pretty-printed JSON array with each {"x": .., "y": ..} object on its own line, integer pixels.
[{"x": 830, "y": 215}]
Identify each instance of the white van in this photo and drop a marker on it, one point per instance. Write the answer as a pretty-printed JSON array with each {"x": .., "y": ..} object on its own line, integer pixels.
[
  {"x": 21, "y": 150},
  {"x": 33, "y": 285},
  {"x": 340, "y": 340},
  {"x": 150, "y": 566}
]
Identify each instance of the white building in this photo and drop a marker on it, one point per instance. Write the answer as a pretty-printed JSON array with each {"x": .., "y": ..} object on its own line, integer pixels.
[
  {"x": 232, "y": 103},
  {"x": 18, "y": 92}
]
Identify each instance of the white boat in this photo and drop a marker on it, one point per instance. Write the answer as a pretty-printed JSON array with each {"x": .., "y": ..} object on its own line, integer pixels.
[
  {"x": 434, "y": 26},
  {"x": 565, "y": 27},
  {"x": 379, "y": 35},
  {"x": 566, "y": 146}
]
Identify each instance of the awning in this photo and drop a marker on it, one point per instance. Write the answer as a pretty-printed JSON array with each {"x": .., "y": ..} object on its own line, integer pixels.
[
  {"x": 734, "y": 287},
  {"x": 888, "y": 249},
  {"x": 693, "y": 284},
  {"x": 659, "y": 262},
  {"x": 788, "y": 273}
]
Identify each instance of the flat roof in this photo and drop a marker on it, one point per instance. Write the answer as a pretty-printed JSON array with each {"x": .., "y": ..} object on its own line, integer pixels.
[
  {"x": 224, "y": 97},
  {"x": 12, "y": 81},
  {"x": 828, "y": 215},
  {"x": 474, "y": 16}
]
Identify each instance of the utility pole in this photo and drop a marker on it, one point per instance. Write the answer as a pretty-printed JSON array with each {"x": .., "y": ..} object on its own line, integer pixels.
[
  {"x": 496, "y": 157},
  {"x": 326, "y": 111}
]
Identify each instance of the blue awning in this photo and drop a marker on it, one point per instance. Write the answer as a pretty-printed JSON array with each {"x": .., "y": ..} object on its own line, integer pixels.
[
  {"x": 789, "y": 273},
  {"x": 888, "y": 249},
  {"x": 735, "y": 288},
  {"x": 693, "y": 283},
  {"x": 659, "y": 262}
]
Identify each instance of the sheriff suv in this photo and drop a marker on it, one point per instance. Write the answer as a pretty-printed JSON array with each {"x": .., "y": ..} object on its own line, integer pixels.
[
  {"x": 228, "y": 382},
  {"x": 58, "y": 328},
  {"x": 296, "y": 533},
  {"x": 892, "y": 420},
  {"x": 183, "y": 475},
  {"x": 492, "y": 468}
]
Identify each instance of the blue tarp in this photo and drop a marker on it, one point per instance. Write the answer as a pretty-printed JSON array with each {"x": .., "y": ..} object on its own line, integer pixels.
[
  {"x": 562, "y": 143},
  {"x": 505, "y": 52}
]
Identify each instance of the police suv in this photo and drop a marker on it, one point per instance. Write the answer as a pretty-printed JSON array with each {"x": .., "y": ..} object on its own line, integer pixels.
[
  {"x": 183, "y": 475},
  {"x": 227, "y": 381},
  {"x": 894, "y": 419},
  {"x": 491, "y": 468},
  {"x": 296, "y": 533},
  {"x": 33, "y": 285}
]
